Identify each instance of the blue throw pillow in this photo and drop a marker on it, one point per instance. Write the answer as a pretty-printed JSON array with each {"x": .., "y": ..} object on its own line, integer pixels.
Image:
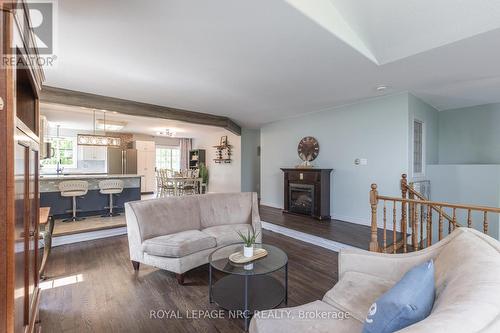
[{"x": 408, "y": 302}]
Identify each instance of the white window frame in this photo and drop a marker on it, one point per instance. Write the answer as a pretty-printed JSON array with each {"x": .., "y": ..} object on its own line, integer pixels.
[
  {"x": 74, "y": 165},
  {"x": 424, "y": 144},
  {"x": 167, "y": 147}
]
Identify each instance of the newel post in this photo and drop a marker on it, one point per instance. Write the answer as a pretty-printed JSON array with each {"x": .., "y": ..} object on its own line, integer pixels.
[
  {"x": 374, "y": 203},
  {"x": 404, "y": 195}
]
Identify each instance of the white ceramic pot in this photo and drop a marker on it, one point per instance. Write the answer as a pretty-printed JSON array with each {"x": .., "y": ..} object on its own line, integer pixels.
[{"x": 248, "y": 251}]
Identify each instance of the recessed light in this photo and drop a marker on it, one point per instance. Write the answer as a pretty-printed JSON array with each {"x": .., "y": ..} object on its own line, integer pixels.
[{"x": 381, "y": 88}]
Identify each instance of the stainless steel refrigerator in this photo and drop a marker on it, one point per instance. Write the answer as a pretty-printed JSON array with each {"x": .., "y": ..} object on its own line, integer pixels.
[{"x": 122, "y": 161}]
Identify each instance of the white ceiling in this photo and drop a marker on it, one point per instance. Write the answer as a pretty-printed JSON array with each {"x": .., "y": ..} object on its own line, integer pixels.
[
  {"x": 258, "y": 61},
  {"x": 77, "y": 118}
]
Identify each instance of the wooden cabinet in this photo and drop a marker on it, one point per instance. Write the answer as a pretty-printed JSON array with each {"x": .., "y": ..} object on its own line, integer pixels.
[
  {"x": 20, "y": 83},
  {"x": 146, "y": 164}
]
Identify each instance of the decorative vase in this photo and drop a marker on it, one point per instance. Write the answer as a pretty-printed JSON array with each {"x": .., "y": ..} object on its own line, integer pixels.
[{"x": 248, "y": 251}]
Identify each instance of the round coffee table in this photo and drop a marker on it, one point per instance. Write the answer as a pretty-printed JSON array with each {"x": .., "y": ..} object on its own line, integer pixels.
[{"x": 248, "y": 287}]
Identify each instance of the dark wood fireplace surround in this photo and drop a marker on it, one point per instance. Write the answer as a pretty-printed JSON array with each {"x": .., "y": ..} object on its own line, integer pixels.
[{"x": 320, "y": 179}]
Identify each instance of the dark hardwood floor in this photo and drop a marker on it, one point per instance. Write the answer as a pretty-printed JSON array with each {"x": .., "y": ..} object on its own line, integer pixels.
[
  {"x": 339, "y": 231},
  {"x": 94, "y": 289}
]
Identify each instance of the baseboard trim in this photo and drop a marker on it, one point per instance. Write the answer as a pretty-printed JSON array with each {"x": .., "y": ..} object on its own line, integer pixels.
[
  {"x": 88, "y": 236},
  {"x": 307, "y": 238}
]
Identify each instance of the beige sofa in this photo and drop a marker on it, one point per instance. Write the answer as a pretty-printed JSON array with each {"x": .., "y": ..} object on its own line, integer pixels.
[
  {"x": 467, "y": 275},
  {"x": 178, "y": 234}
]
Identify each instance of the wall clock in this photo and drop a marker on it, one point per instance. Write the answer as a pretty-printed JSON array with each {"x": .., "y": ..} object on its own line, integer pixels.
[{"x": 308, "y": 149}]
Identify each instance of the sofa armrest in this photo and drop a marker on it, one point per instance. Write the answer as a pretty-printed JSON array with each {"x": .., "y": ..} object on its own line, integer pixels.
[
  {"x": 133, "y": 234},
  {"x": 256, "y": 222}
]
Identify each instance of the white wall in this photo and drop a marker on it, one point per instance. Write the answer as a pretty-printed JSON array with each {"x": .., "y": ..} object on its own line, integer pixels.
[
  {"x": 250, "y": 160},
  {"x": 467, "y": 184},
  {"x": 222, "y": 177},
  {"x": 375, "y": 129}
]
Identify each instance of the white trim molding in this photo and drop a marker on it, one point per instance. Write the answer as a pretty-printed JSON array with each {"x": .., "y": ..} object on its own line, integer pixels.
[
  {"x": 307, "y": 238},
  {"x": 88, "y": 236}
]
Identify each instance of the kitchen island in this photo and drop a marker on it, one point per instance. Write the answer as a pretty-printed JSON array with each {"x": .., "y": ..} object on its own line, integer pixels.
[{"x": 93, "y": 202}]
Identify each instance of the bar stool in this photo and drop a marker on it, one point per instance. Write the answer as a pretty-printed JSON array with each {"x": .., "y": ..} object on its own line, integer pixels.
[
  {"x": 73, "y": 188},
  {"x": 111, "y": 186}
]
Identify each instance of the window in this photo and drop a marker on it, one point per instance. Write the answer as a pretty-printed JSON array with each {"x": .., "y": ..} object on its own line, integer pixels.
[
  {"x": 418, "y": 148},
  {"x": 64, "y": 152},
  {"x": 168, "y": 158}
]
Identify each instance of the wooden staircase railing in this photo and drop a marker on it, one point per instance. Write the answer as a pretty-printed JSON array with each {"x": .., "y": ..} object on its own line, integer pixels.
[{"x": 417, "y": 218}]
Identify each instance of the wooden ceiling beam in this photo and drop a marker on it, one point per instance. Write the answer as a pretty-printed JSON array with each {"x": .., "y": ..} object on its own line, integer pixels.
[{"x": 92, "y": 101}]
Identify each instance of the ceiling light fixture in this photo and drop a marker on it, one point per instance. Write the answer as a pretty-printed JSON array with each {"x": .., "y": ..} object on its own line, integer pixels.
[
  {"x": 166, "y": 132},
  {"x": 110, "y": 125},
  {"x": 381, "y": 88},
  {"x": 98, "y": 140}
]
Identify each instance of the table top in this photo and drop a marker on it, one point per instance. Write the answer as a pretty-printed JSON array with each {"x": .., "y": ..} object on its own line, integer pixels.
[
  {"x": 44, "y": 215},
  {"x": 275, "y": 260}
]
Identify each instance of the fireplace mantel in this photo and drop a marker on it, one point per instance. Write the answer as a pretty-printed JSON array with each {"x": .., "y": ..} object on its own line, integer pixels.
[{"x": 298, "y": 196}]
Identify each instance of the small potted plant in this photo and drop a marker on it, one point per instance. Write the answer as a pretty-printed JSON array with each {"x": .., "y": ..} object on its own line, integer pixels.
[{"x": 248, "y": 241}]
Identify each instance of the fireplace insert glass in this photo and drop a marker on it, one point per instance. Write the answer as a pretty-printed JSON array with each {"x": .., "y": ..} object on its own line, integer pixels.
[{"x": 301, "y": 198}]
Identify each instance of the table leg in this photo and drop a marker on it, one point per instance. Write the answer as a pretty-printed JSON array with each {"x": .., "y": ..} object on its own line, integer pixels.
[
  {"x": 210, "y": 284},
  {"x": 47, "y": 246},
  {"x": 286, "y": 284},
  {"x": 245, "y": 313}
]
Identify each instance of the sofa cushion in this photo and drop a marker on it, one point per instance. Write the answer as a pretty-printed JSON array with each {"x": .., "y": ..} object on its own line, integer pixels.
[
  {"x": 227, "y": 234},
  {"x": 467, "y": 286},
  {"x": 179, "y": 244},
  {"x": 225, "y": 208},
  {"x": 166, "y": 216},
  {"x": 315, "y": 317},
  {"x": 356, "y": 292},
  {"x": 408, "y": 302}
]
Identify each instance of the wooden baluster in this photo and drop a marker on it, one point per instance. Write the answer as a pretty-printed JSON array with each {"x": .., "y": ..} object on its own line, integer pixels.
[
  {"x": 404, "y": 192},
  {"x": 412, "y": 221},
  {"x": 454, "y": 220},
  {"x": 429, "y": 225},
  {"x": 469, "y": 219},
  {"x": 385, "y": 228},
  {"x": 374, "y": 228},
  {"x": 421, "y": 226},
  {"x": 485, "y": 223},
  {"x": 440, "y": 234},
  {"x": 416, "y": 227},
  {"x": 394, "y": 234}
]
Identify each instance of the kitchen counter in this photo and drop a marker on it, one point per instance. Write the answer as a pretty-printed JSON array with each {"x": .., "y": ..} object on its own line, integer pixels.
[
  {"x": 85, "y": 176},
  {"x": 93, "y": 203}
]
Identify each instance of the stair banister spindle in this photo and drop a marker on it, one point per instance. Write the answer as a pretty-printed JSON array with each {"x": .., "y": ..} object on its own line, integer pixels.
[
  {"x": 374, "y": 203},
  {"x": 429, "y": 225},
  {"x": 404, "y": 192},
  {"x": 416, "y": 228},
  {"x": 440, "y": 231},
  {"x": 454, "y": 221},
  {"x": 421, "y": 226},
  {"x": 394, "y": 235},
  {"x": 469, "y": 219},
  {"x": 385, "y": 228},
  {"x": 485, "y": 223}
]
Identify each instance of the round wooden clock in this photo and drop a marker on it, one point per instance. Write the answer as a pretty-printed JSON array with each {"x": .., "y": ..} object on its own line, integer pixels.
[{"x": 308, "y": 149}]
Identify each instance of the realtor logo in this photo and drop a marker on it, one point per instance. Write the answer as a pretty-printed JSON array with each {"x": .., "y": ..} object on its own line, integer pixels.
[
  {"x": 42, "y": 15},
  {"x": 42, "y": 23}
]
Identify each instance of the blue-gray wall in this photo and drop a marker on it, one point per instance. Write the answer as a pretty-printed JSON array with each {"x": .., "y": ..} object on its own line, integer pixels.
[
  {"x": 470, "y": 135},
  {"x": 250, "y": 161},
  {"x": 376, "y": 130}
]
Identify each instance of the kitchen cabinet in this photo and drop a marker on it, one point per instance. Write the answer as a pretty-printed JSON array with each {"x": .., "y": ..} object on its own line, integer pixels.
[
  {"x": 146, "y": 164},
  {"x": 90, "y": 153}
]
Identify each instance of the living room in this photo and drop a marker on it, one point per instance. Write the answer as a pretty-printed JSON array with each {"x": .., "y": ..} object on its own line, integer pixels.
[{"x": 260, "y": 166}]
